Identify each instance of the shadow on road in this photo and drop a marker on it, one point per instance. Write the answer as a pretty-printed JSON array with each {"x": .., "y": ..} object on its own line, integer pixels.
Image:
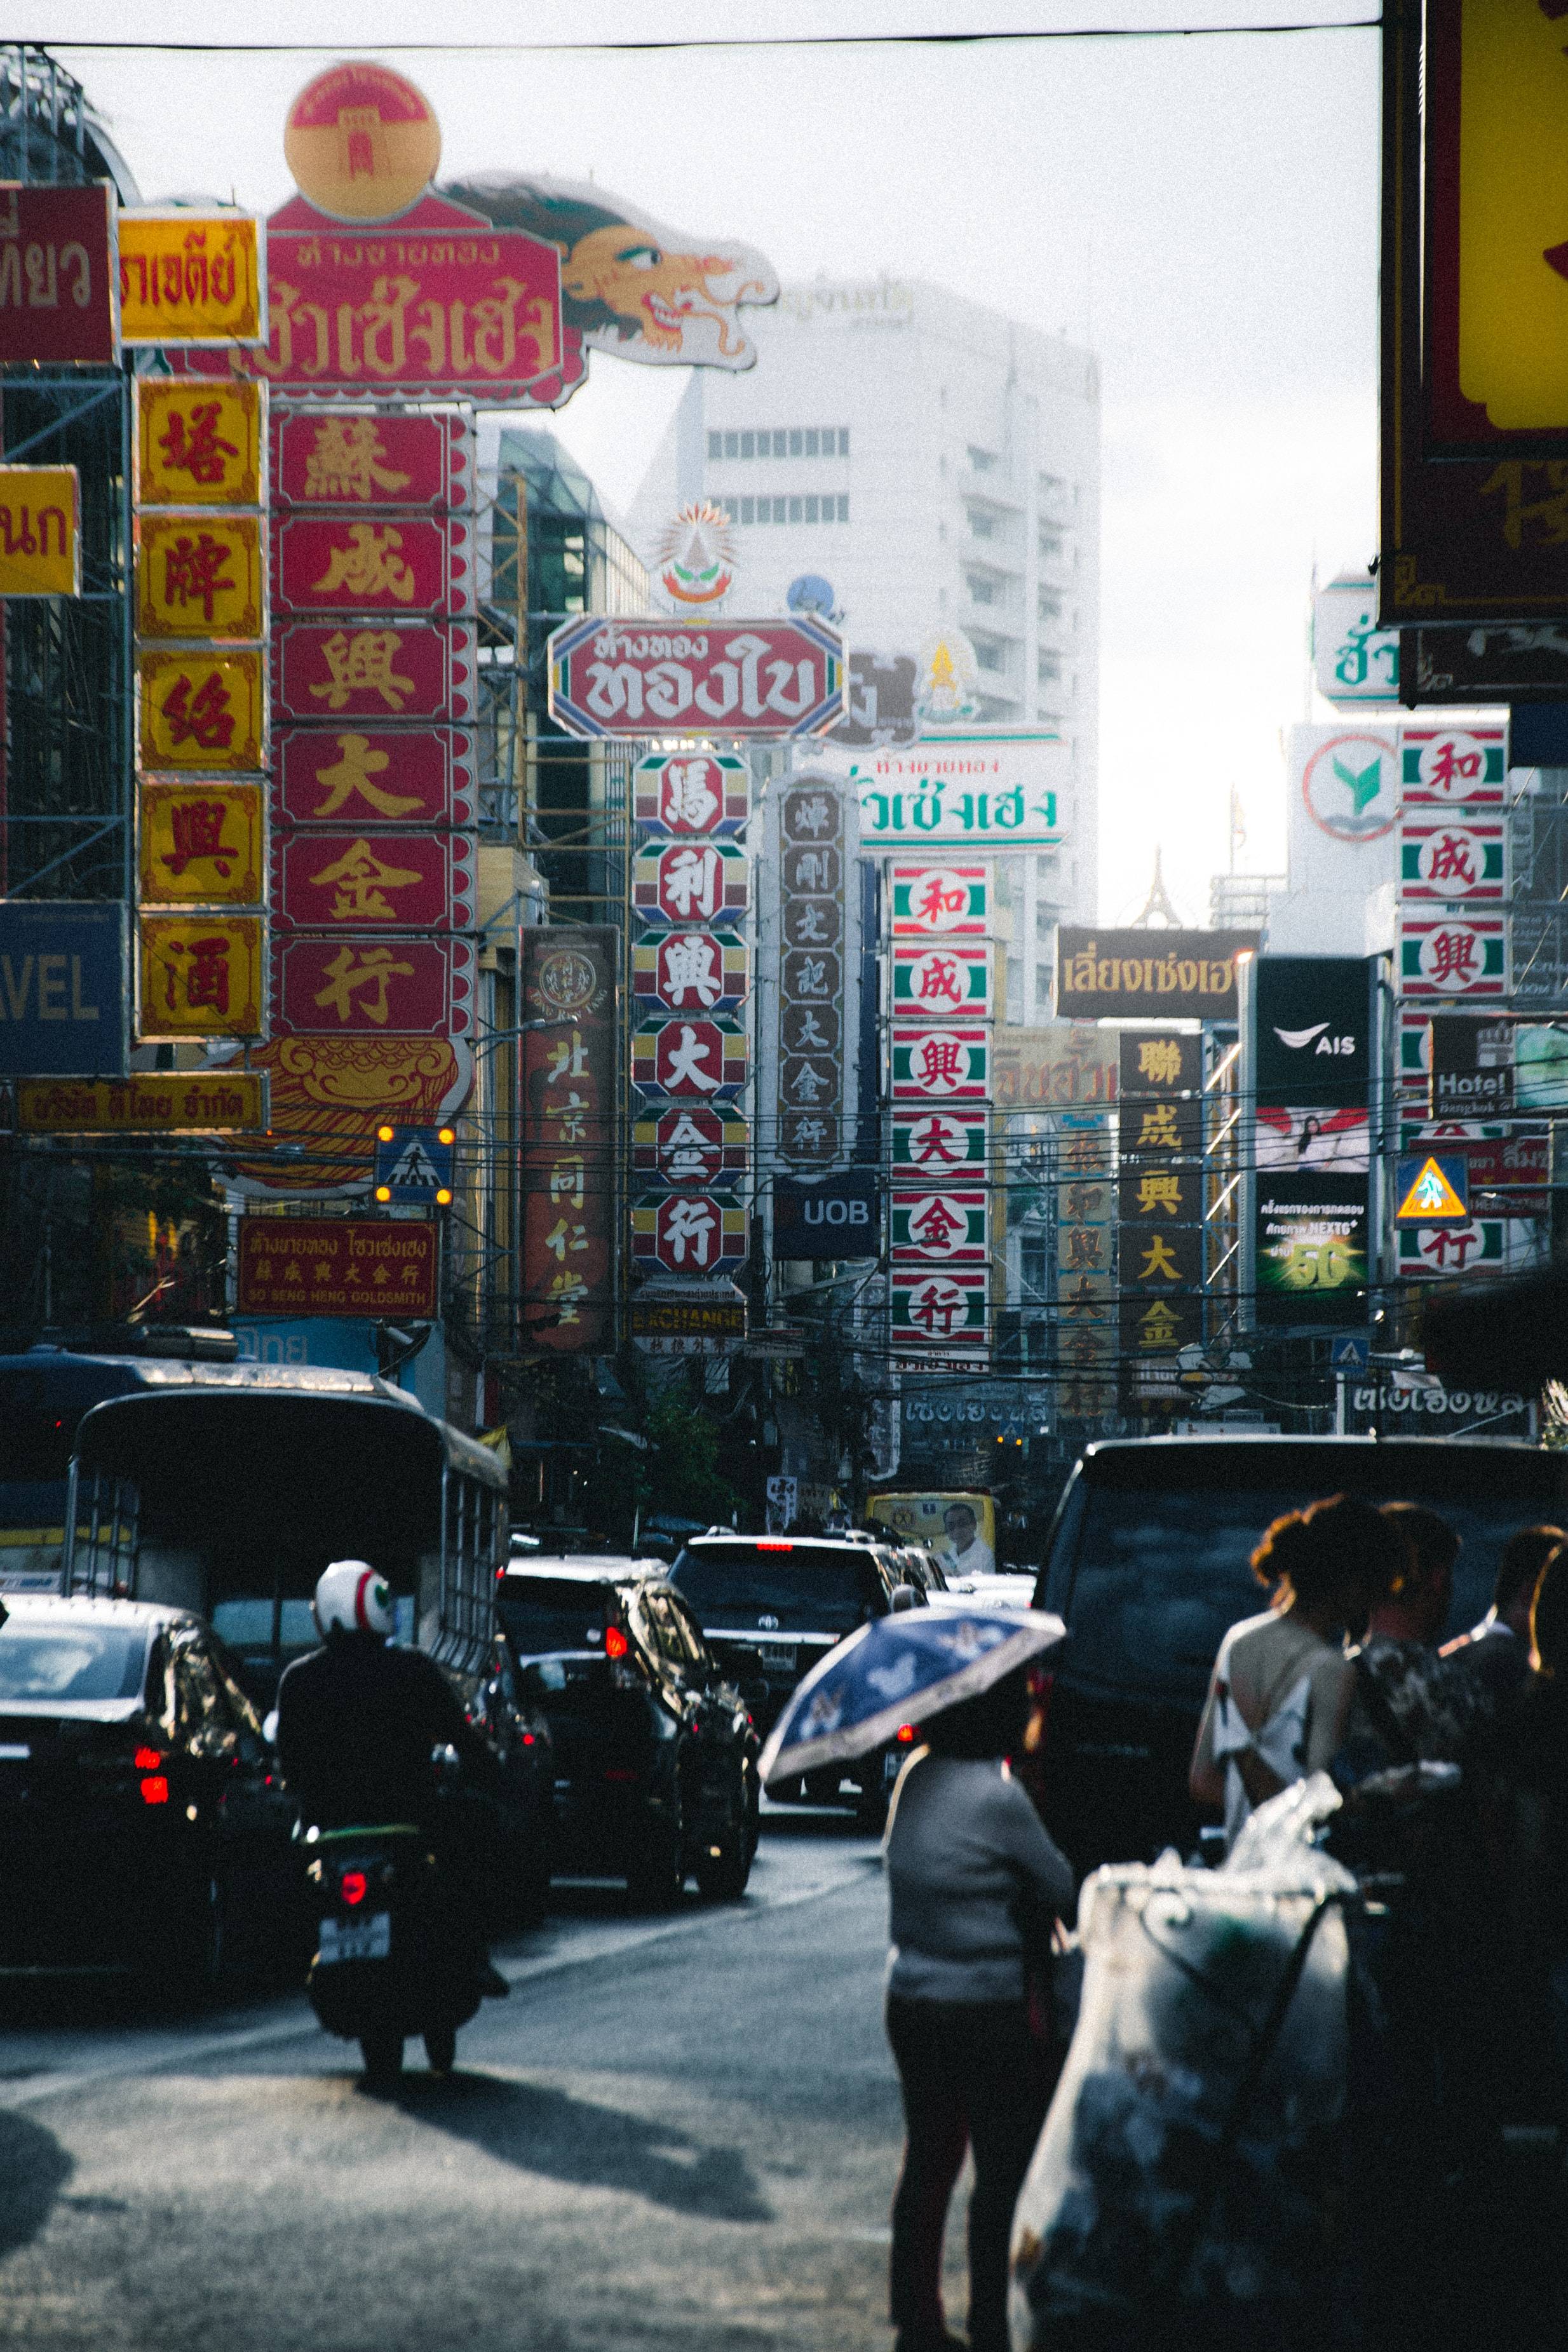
[
  {"x": 566, "y": 2140},
  {"x": 34, "y": 2169},
  {"x": 810, "y": 1821}
]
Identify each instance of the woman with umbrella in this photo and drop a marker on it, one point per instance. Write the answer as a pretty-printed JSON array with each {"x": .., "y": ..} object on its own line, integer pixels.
[{"x": 976, "y": 1886}]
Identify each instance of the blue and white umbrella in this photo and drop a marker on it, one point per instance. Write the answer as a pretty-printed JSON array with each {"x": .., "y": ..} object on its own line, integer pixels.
[{"x": 897, "y": 1670}]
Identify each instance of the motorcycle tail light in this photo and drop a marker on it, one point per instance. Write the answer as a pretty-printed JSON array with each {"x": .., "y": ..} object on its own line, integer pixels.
[
  {"x": 353, "y": 1887},
  {"x": 147, "y": 1760},
  {"x": 905, "y": 1735},
  {"x": 155, "y": 1790},
  {"x": 616, "y": 1643}
]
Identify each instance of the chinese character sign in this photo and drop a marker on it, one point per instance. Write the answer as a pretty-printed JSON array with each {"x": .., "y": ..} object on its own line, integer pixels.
[
  {"x": 373, "y": 777},
  {"x": 200, "y": 575},
  {"x": 811, "y": 849},
  {"x": 1443, "y": 766},
  {"x": 942, "y": 983},
  {"x": 1454, "y": 861},
  {"x": 200, "y": 843},
  {"x": 1441, "y": 956},
  {"x": 690, "y": 1233},
  {"x": 691, "y": 882},
  {"x": 198, "y": 445},
  {"x": 374, "y": 457},
  {"x": 203, "y": 710},
  {"x": 352, "y": 670},
  {"x": 947, "y": 901},
  {"x": 569, "y": 1138},
  {"x": 687, "y": 792},
  {"x": 405, "y": 567},
  {"x": 200, "y": 976}
]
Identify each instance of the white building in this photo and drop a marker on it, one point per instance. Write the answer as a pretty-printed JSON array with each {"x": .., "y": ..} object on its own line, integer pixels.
[{"x": 938, "y": 465}]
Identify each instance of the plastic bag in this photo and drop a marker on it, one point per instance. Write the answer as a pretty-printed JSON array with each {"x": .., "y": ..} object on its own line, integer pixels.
[{"x": 1189, "y": 2160}]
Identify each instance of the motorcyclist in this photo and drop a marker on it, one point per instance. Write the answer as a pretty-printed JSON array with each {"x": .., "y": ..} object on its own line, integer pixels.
[{"x": 357, "y": 1721}]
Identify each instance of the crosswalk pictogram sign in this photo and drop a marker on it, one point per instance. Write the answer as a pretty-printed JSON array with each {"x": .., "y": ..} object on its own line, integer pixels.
[
  {"x": 1431, "y": 1188},
  {"x": 413, "y": 1166}
]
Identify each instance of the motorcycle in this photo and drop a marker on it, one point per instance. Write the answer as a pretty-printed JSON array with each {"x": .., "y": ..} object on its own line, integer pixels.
[{"x": 389, "y": 1962}]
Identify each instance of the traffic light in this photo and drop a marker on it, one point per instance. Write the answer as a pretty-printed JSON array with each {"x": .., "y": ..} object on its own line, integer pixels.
[{"x": 413, "y": 1166}]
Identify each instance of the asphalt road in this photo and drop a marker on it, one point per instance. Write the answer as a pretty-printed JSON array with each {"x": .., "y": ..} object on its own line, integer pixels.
[{"x": 678, "y": 2131}]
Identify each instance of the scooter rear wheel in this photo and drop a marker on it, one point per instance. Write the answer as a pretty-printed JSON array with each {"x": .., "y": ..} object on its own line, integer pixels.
[
  {"x": 441, "y": 2048},
  {"x": 382, "y": 2056}
]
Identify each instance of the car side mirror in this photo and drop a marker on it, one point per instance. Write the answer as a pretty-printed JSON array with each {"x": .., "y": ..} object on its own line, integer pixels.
[{"x": 905, "y": 1596}]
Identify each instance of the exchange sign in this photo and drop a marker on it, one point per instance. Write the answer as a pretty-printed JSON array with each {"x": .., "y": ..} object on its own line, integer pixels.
[{"x": 611, "y": 677}]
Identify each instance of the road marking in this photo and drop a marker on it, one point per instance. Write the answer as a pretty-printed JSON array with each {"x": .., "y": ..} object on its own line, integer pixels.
[{"x": 298, "y": 2027}]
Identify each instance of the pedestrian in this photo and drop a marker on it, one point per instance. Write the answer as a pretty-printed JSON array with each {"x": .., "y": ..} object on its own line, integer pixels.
[
  {"x": 1496, "y": 1652},
  {"x": 976, "y": 1886},
  {"x": 1411, "y": 1705},
  {"x": 1280, "y": 1692}
]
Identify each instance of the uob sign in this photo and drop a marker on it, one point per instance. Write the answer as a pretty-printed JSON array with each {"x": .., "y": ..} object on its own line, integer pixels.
[{"x": 838, "y": 1216}]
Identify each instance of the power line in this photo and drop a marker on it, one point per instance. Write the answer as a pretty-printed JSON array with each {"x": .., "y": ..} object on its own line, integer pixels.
[{"x": 1029, "y": 37}]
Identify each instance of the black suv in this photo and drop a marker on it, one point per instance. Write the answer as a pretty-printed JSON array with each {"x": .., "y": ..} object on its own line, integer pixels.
[
  {"x": 656, "y": 1755},
  {"x": 1147, "y": 1564},
  {"x": 771, "y": 1606}
]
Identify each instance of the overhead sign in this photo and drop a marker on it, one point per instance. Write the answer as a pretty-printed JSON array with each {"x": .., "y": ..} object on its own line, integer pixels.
[
  {"x": 41, "y": 532},
  {"x": 154, "y": 1102},
  {"x": 413, "y": 1166},
  {"x": 192, "y": 276},
  {"x": 338, "y": 1265},
  {"x": 62, "y": 989},
  {"x": 966, "y": 792},
  {"x": 698, "y": 1318},
  {"x": 1432, "y": 1189},
  {"x": 634, "y": 679},
  {"x": 946, "y": 1228},
  {"x": 59, "y": 303},
  {"x": 1131, "y": 975},
  {"x": 828, "y": 1216}
]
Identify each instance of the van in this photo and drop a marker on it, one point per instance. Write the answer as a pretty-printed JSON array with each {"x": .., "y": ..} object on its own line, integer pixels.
[{"x": 1147, "y": 1566}]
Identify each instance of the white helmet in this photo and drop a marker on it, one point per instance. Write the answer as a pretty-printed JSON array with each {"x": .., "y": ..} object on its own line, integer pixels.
[{"x": 353, "y": 1598}]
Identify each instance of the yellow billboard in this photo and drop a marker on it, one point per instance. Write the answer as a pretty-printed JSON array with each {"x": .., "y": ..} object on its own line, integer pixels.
[
  {"x": 202, "y": 711},
  {"x": 41, "y": 532},
  {"x": 960, "y": 1526},
  {"x": 199, "y": 444},
  {"x": 198, "y": 976},
  {"x": 200, "y": 845},
  {"x": 152, "y": 1102},
  {"x": 189, "y": 276},
  {"x": 200, "y": 575},
  {"x": 1513, "y": 214}
]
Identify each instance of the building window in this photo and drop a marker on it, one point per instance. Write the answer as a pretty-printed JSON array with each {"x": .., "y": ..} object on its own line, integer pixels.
[
  {"x": 811, "y": 509},
  {"x": 797, "y": 442},
  {"x": 843, "y": 506},
  {"x": 747, "y": 507},
  {"x": 1048, "y": 604},
  {"x": 794, "y": 510},
  {"x": 989, "y": 653},
  {"x": 983, "y": 460},
  {"x": 1050, "y": 542},
  {"x": 982, "y": 588},
  {"x": 732, "y": 445},
  {"x": 748, "y": 445},
  {"x": 715, "y": 446},
  {"x": 844, "y": 440},
  {"x": 1048, "y": 668},
  {"x": 981, "y": 525}
]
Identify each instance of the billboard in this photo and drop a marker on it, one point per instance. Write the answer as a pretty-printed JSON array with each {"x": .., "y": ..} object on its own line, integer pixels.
[
  {"x": 57, "y": 243},
  {"x": 1311, "y": 1249},
  {"x": 338, "y": 1265},
  {"x": 1131, "y": 975},
  {"x": 634, "y": 679},
  {"x": 1313, "y": 1017},
  {"x": 62, "y": 990}
]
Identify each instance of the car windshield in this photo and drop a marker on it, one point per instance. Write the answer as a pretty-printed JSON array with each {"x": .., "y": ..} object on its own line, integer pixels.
[
  {"x": 44, "y": 1663},
  {"x": 1160, "y": 1574},
  {"x": 544, "y": 1614},
  {"x": 804, "y": 1589}
]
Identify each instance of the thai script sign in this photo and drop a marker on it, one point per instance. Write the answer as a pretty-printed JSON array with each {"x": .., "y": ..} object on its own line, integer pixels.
[
  {"x": 569, "y": 1136},
  {"x": 1132, "y": 975},
  {"x": 685, "y": 792},
  {"x": 1455, "y": 861},
  {"x": 688, "y": 1232},
  {"x": 199, "y": 575},
  {"x": 154, "y": 1102},
  {"x": 1354, "y": 661},
  {"x": 1063, "y": 1064},
  {"x": 338, "y": 1265},
  {"x": 350, "y": 670},
  {"x": 192, "y": 278},
  {"x": 409, "y": 881},
  {"x": 198, "y": 444},
  {"x": 62, "y": 989},
  {"x": 691, "y": 1146},
  {"x": 431, "y": 307},
  {"x": 41, "y": 532},
  {"x": 202, "y": 709},
  {"x": 200, "y": 845},
  {"x": 369, "y": 457},
  {"x": 372, "y": 565},
  {"x": 739, "y": 677},
  {"x": 337, "y": 986},
  {"x": 199, "y": 976},
  {"x": 416, "y": 776},
  {"x": 969, "y": 792},
  {"x": 58, "y": 292},
  {"x": 1311, "y": 1248},
  {"x": 1441, "y": 956}
]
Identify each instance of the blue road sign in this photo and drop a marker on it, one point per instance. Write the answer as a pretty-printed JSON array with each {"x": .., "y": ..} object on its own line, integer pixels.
[
  {"x": 1352, "y": 1352},
  {"x": 1431, "y": 1188},
  {"x": 62, "y": 990},
  {"x": 413, "y": 1166}
]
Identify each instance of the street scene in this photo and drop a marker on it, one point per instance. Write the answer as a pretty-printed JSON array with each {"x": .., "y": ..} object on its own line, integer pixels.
[{"x": 783, "y": 1282}]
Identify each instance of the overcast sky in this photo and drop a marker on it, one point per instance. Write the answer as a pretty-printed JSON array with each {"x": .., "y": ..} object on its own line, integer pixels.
[{"x": 1203, "y": 212}]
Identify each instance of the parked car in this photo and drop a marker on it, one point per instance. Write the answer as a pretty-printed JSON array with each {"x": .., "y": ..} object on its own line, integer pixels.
[
  {"x": 144, "y": 1829},
  {"x": 771, "y": 1606},
  {"x": 1147, "y": 1564},
  {"x": 655, "y": 1754}
]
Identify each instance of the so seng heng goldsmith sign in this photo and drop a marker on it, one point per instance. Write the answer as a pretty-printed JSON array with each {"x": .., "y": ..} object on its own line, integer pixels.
[{"x": 634, "y": 679}]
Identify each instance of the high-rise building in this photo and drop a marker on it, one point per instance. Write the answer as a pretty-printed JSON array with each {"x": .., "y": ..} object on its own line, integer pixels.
[{"x": 937, "y": 464}]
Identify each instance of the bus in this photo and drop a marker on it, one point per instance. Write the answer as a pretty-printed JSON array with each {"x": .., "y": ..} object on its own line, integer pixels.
[{"x": 226, "y": 1489}]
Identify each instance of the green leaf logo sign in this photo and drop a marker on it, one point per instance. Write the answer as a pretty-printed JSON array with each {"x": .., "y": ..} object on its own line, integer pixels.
[{"x": 1348, "y": 784}]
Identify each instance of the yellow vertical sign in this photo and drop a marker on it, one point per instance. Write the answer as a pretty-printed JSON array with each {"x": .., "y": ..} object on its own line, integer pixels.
[
  {"x": 1514, "y": 213},
  {"x": 41, "y": 532},
  {"x": 198, "y": 444},
  {"x": 199, "y": 575}
]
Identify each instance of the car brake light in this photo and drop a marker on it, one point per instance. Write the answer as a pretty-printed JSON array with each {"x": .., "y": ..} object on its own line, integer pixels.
[
  {"x": 528, "y": 1739},
  {"x": 905, "y": 1735},
  {"x": 619, "y": 1772},
  {"x": 351, "y": 1887},
  {"x": 155, "y": 1792},
  {"x": 616, "y": 1643},
  {"x": 147, "y": 1760},
  {"x": 775, "y": 1547}
]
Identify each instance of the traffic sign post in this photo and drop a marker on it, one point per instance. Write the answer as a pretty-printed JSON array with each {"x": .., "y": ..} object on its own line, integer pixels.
[
  {"x": 413, "y": 1166},
  {"x": 1431, "y": 1188}
]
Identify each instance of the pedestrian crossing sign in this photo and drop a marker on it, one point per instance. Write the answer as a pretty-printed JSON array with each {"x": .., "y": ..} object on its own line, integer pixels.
[
  {"x": 413, "y": 1166},
  {"x": 1432, "y": 1189}
]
